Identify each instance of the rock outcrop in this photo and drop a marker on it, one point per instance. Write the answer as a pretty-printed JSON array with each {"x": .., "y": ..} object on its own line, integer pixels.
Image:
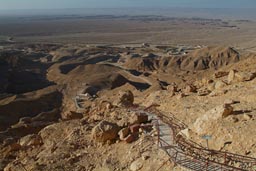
[
  {"x": 231, "y": 76},
  {"x": 30, "y": 140},
  {"x": 138, "y": 118},
  {"x": 136, "y": 165},
  {"x": 190, "y": 89},
  {"x": 201, "y": 124},
  {"x": 219, "y": 84},
  {"x": 105, "y": 131},
  {"x": 235, "y": 76},
  {"x": 126, "y": 98},
  {"x": 210, "y": 57}
]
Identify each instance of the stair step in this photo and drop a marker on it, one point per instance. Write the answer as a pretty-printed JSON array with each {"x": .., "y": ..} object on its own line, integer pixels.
[{"x": 167, "y": 139}]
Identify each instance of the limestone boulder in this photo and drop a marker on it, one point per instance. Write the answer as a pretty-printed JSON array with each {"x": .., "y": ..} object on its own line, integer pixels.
[
  {"x": 135, "y": 128},
  {"x": 220, "y": 74},
  {"x": 202, "y": 124},
  {"x": 245, "y": 76},
  {"x": 230, "y": 101},
  {"x": 126, "y": 98},
  {"x": 223, "y": 111},
  {"x": 123, "y": 133},
  {"x": 138, "y": 118},
  {"x": 130, "y": 138},
  {"x": 235, "y": 76},
  {"x": 220, "y": 84},
  {"x": 190, "y": 89},
  {"x": 203, "y": 92},
  {"x": 72, "y": 115},
  {"x": 172, "y": 88},
  {"x": 105, "y": 131},
  {"x": 136, "y": 165},
  {"x": 30, "y": 140},
  {"x": 180, "y": 96},
  {"x": 247, "y": 117},
  {"x": 231, "y": 76},
  {"x": 218, "y": 92},
  {"x": 211, "y": 86},
  {"x": 206, "y": 81}
]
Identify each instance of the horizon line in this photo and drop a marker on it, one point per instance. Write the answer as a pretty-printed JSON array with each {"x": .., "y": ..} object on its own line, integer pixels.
[{"x": 127, "y": 8}]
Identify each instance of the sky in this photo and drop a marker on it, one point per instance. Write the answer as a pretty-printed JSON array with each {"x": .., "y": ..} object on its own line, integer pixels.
[{"x": 59, "y": 4}]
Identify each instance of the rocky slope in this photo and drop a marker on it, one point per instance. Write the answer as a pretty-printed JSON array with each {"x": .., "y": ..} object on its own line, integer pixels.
[{"x": 68, "y": 105}]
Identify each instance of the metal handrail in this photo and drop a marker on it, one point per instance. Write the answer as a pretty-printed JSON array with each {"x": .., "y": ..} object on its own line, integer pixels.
[
  {"x": 205, "y": 155},
  {"x": 222, "y": 165}
]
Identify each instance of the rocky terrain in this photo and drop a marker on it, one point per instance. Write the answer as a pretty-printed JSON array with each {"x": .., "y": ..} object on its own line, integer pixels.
[{"x": 68, "y": 106}]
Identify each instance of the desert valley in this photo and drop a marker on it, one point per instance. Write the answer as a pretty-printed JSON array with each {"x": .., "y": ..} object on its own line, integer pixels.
[{"x": 117, "y": 93}]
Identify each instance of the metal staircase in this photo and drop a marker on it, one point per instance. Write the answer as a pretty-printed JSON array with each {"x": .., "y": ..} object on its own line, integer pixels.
[{"x": 188, "y": 154}]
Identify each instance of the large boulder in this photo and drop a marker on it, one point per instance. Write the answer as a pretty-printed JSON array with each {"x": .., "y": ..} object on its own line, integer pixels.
[
  {"x": 72, "y": 115},
  {"x": 202, "y": 123},
  {"x": 231, "y": 76},
  {"x": 235, "y": 76},
  {"x": 189, "y": 89},
  {"x": 138, "y": 118},
  {"x": 30, "y": 140},
  {"x": 220, "y": 84},
  {"x": 206, "y": 81},
  {"x": 126, "y": 98},
  {"x": 218, "y": 92},
  {"x": 180, "y": 96},
  {"x": 136, "y": 165},
  {"x": 172, "y": 87},
  {"x": 211, "y": 86},
  {"x": 224, "y": 110},
  {"x": 123, "y": 133},
  {"x": 244, "y": 76},
  {"x": 203, "y": 92},
  {"x": 220, "y": 74},
  {"x": 105, "y": 131}
]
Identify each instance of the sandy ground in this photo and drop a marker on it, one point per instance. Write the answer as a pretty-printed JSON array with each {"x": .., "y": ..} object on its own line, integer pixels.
[{"x": 151, "y": 29}]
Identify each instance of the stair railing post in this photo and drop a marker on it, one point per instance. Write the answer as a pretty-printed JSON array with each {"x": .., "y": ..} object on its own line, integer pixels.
[
  {"x": 158, "y": 133},
  {"x": 207, "y": 164}
]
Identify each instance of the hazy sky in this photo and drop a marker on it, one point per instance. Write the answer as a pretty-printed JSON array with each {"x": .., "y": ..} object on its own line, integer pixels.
[{"x": 52, "y": 4}]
